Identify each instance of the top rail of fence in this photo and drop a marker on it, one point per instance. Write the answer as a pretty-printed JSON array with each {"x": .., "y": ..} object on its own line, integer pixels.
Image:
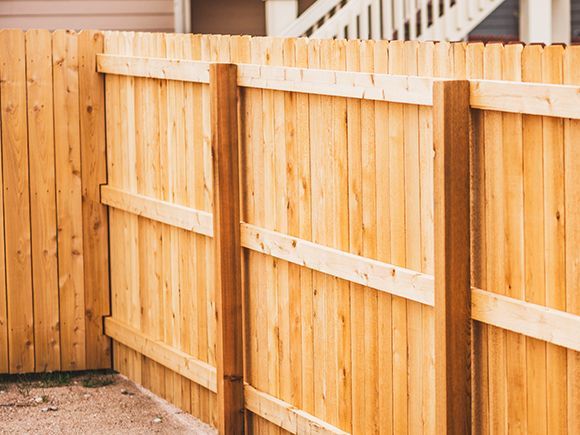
[{"x": 561, "y": 101}]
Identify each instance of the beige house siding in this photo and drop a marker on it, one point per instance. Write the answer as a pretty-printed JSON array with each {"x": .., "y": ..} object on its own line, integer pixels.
[{"x": 147, "y": 15}]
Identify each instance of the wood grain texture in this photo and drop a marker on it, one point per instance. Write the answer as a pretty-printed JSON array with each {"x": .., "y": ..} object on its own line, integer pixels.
[
  {"x": 179, "y": 362},
  {"x": 495, "y": 243},
  {"x": 534, "y": 252},
  {"x": 572, "y": 191},
  {"x": 16, "y": 202},
  {"x": 42, "y": 199},
  {"x": 227, "y": 247},
  {"x": 555, "y": 238},
  {"x": 321, "y": 173},
  {"x": 452, "y": 265},
  {"x": 69, "y": 199},
  {"x": 95, "y": 217}
]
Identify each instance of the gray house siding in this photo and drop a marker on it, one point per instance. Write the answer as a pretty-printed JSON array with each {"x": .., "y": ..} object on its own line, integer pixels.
[
  {"x": 576, "y": 20},
  {"x": 502, "y": 24}
]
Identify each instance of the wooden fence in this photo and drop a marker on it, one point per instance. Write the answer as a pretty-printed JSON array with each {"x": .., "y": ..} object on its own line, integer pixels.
[
  {"x": 54, "y": 279},
  {"x": 351, "y": 232},
  {"x": 351, "y": 309}
]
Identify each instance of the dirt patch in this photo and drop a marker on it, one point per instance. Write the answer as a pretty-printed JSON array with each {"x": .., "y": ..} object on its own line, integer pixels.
[{"x": 104, "y": 403}]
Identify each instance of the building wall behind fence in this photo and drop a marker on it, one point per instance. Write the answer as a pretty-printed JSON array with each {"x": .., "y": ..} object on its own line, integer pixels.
[
  {"x": 358, "y": 176},
  {"x": 143, "y": 15},
  {"x": 54, "y": 282}
]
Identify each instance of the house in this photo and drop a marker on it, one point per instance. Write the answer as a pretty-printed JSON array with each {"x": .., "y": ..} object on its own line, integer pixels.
[
  {"x": 544, "y": 21},
  {"x": 148, "y": 15}
]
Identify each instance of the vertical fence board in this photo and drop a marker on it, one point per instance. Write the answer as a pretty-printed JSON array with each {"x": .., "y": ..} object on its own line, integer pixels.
[
  {"x": 269, "y": 289},
  {"x": 43, "y": 199},
  {"x": 554, "y": 233},
  {"x": 533, "y": 172},
  {"x": 495, "y": 198},
  {"x": 164, "y": 156},
  {"x": 572, "y": 192},
  {"x": 305, "y": 222},
  {"x": 383, "y": 217},
  {"x": 68, "y": 195},
  {"x": 187, "y": 263},
  {"x": 514, "y": 242},
  {"x": 175, "y": 175},
  {"x": 325, "y": 233},
  {"x": 200, "y": 397},
  {"x": 425, "y": 54},
  {"x": 413, "y": 245},
  {"x": 398, "y": 244},
  {"x": 369, "y": 242},
  {"x": 16, "y": 201},
  {"x": 341, "y": 241},
  {"x": 452, "y": 264},
  {"x": 294, "y": 357},
  {"x": 354, "y": 159},
  {"x": 95, "y": 218},
  {"x": 207, "y": 279},
  {"x": 280, "y": 206}
]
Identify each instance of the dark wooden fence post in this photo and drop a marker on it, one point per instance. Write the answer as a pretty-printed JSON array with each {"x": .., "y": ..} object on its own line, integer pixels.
[
  {"x": 224, "y": 122},
  {"x": 451, "y": 117}
]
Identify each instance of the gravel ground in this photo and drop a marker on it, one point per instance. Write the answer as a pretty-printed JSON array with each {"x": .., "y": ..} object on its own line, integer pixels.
[{"x": 92, "y": 403}]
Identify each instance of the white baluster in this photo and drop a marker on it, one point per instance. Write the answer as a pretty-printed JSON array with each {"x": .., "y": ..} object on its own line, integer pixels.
[
  {"x": 448, "y": 22},
  {"x": 376, "y": 19},
  {"x": 424, "y": 17},
  {"x": 412, "y": 17},
  {"x": 387, "y": 19},
  {"x": 364, "y": 20},
  {"x": 460, "y": 14},
  {"x": 471, "y": 9},
  {"x": 400, "y": 19},
  {"x": 352, "y": 27},
  {"x": 342, "y": 29},
  {"x": 434, "y": 31}
]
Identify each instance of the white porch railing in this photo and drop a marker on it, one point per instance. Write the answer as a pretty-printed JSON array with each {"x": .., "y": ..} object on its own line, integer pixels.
[{"x": 392, "y": 19}]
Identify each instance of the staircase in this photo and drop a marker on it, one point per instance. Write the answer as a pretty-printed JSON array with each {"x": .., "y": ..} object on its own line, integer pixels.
[{"x": 450, "y": 20}]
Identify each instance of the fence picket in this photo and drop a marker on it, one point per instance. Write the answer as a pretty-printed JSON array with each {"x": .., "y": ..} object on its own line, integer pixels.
[{"x": 42, "y": 201}]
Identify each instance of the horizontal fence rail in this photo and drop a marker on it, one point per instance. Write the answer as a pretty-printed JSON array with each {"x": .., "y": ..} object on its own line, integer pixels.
[
  {"x": 515, "y": 97},
  {"x": 532, "y": 320},
  {"x": 285, "y": 415},
  {"x": 180, "y": 362}
]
